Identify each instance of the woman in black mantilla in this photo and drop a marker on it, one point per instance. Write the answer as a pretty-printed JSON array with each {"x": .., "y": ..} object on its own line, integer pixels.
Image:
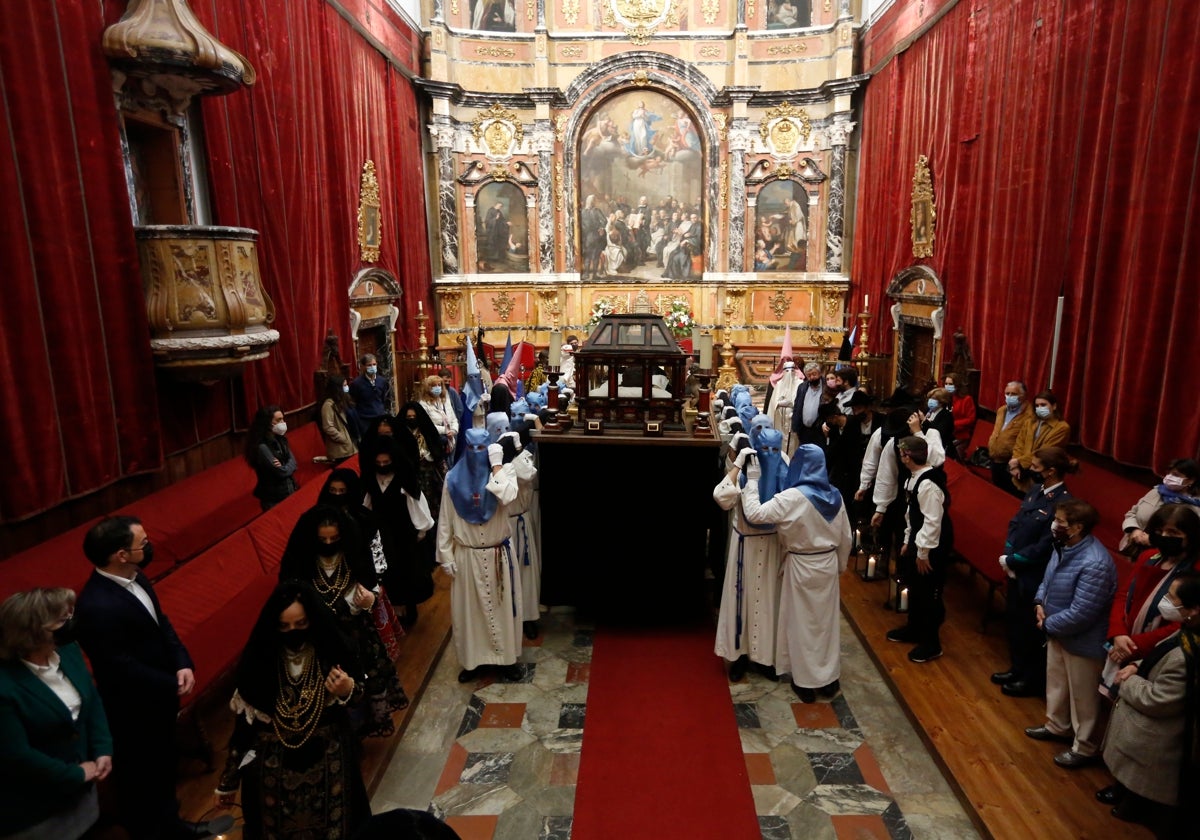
[
  {"x": 402, "y": 511},
  {"x": 343, "y": 489},
  {"x": 293, "y": 753},
  {"x": 420, "y": 443},
  {"x": 327, "y": 552}
]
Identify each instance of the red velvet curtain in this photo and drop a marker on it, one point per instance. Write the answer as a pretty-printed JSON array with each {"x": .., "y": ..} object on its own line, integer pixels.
[
  {"x": 286, "y": 158},
  {"x": 81, "y": 405},
  {"x": 77, "y": 399},
  {"x": 1064, "y": 140}
]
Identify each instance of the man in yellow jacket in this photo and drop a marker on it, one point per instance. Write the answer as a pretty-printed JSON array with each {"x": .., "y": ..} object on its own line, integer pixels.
[{"x": 1011, "y": 420}]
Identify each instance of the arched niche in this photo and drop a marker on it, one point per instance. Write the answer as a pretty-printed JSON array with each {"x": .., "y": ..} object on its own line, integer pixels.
[
  {"x": 374, "y": 307},
  {"x": 631, "y": 73},
  {"x": 918, "y": 314}
]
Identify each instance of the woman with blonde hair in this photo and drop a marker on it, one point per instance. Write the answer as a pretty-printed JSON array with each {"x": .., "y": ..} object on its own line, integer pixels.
[
  {"x": 434, "y": 400},
  {"x": 54, "y": 738}
]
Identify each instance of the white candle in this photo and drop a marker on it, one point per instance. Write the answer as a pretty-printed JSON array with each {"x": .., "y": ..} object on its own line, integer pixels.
[
  {"x": 555, "y": 349},
  {"x": 706, "y": 351},
  {"x": 866, "y": 303},
  {"x": 904, "y": 599},
  {"x": 420, "y": 307},
  {"x": 871, "y": 566},
  {"x": 857, "y": 539}
]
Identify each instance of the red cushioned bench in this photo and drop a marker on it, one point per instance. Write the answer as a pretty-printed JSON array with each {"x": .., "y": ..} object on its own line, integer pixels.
[
  {"x": 981, "y": 512},
  {"x": 182, "y": 520}
]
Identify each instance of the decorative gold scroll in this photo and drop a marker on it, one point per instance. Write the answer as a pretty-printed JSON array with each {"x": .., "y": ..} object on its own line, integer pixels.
[
  {"x": 784, "y": 128},
  {"x": 924, "y": 213},
  {"x": 497, "y": 129},
  {"x": 503, "y": 304},
  {"x": 370, "y": 218}
]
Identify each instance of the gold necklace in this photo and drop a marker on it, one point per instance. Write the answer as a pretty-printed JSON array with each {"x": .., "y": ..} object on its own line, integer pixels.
[
  {"x": 331, "y": 589},
  {"x": 299, "y": 704}
]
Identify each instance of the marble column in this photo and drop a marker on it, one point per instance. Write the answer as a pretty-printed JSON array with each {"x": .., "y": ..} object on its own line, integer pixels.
[
  {"x": 838, "y": 134},
  {"x": 443, "y": 140},
  {"x": 543, "y": 144},
  {"x": 739, "y": 142}
]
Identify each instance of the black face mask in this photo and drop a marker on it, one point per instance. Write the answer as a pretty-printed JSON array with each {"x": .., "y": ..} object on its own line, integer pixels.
[
  {"x": 329, "y": 549},
  {"x": 1037, "y": 477},
  {"x": 147, "y": 556},
  {"x": 66, "y": 634},
  {"x": 1169, "y": 546},
  {"x": 411, "y": 422},
  {"x": 335, "y": 499},
  {"x": 385, "y": 469},
  {"x": 294, "y": 640}
]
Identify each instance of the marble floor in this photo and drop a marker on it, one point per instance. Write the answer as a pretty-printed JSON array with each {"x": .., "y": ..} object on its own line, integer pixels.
[{"x": 498, "y": 761}]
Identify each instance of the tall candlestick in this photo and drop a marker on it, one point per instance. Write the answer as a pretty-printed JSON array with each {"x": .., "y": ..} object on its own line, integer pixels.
[
  {"x": 555, "y": 349},
  {"x": 706, "y": 351}
]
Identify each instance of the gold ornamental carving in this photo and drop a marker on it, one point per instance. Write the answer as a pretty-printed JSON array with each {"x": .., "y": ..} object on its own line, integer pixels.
[
  {"x": 550, "y": 305},
  {"x": 784, "y": 128},
  {"x": 558, "y": 185},
  {"x": 779, "y": 304},
  {"x": 784, "y": 171},
  {"x": 502, "y": 304},
  {"x": 560, "y": 126},
  {"x": 723, "y": 180},
  {"x": 498, "y": 130},
  {"x": 709, "y": 9},
  {"x": 451, "y": 301},
  {"x": 530, "y": 11},
  {"x": 924, "y": 213},
  {"x": 831, "y": 299},
  {"x": 749, "y": 11},
  {"x": 370, "y": 218},
  {"x": 454, "y": 7},
  {"x": 719, "y": 120},
  {"x": 641, "y": 78},
  {"x": 709, "y": 51},
  {"x": 787, "y": 49},
  {"x": 570, "y": 10},
  {"x": 735, "y": 303},
  {"x": 641, "y": 18}
]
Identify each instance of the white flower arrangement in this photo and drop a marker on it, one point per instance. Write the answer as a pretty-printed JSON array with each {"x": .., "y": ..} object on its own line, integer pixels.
[
  {"x": 680, "y": 319},
  {"x": 599, "y": 309}
]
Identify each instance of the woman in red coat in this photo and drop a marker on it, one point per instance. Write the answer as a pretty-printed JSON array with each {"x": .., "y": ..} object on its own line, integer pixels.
[{"x": 963, "y": 409}]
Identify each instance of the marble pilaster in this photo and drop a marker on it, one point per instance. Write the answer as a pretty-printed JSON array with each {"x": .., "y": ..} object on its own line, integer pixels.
[
  {"x": 739, "y": 142},
  {"x": 443, "y": 139},
  {"x": 543, "y": 143},
  {"x": 838, "y": 134}
]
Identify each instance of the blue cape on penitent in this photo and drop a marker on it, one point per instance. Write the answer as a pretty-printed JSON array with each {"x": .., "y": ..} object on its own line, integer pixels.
[{"x": 807, "y": 474}]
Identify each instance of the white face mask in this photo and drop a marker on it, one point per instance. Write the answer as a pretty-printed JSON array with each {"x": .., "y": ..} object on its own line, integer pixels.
[
  {"x": 279, "y": 428},
  {"x": 1174, "y": 482},
  {"x": 1168, "y": 610}
]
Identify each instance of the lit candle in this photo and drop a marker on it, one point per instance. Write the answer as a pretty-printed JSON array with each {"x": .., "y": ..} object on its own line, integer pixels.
[
  {"x": 866, "y": 303},
  {"x": 904, "y": 599},
  {"x": 871, "y": 566},
  {"x": 420, "y": 307},
  {"x": 706, "y": 351},
  {"x": 555, "y": 349},
  {"x": 857, "y": 539}
]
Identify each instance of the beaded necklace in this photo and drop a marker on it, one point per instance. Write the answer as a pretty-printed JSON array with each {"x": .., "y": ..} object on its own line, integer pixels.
[
  {"x": 331, "y": 589},
  {"x": 300, "y": 701}
]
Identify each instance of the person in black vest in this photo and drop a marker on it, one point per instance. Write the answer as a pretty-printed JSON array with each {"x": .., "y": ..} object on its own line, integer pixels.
[{"x": 928, "y": 540}]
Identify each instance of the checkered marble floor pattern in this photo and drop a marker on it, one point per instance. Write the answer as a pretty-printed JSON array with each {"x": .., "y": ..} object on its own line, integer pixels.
[{"x": 507, "y": 754}]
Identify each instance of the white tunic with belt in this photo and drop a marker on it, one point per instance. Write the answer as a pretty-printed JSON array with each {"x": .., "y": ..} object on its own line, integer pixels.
[
  {"x": 815, "y": 553},
  {"x": 525, "y": 543},
  {"x": 746, "y": 624},
  {"x": 485, "y": 598}
]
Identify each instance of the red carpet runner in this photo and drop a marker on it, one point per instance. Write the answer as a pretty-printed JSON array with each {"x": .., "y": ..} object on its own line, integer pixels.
[{"x": 661, "y": 755}]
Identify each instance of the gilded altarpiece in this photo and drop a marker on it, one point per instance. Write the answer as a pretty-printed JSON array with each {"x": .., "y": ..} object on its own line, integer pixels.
[{"x": 587, "y": 151}]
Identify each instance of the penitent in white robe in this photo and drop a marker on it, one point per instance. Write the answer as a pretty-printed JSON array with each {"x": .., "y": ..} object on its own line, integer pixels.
[
  {"x": 485, "y": 597},
  {"x": 757, "y": 552},
  {"x": 525, "y": 543},
  {"x": 816, "y": 552},
  {"x": 783, "y": 398}
]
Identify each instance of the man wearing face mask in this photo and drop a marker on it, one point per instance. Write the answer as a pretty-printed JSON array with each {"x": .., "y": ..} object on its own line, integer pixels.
[
  {"x": 1072, "y": 606},
  {"x": 806, "y": 409},
  {"x": 141, "y": 670},
  {"x": 1011, "y": 419},
  {"x": 372, "y": 393}
]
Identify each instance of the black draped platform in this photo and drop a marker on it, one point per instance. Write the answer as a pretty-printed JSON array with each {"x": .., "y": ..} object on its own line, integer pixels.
[{"x": 626, "y": 522}]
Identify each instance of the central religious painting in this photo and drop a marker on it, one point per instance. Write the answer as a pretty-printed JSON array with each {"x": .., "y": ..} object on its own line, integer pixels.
[{"x": 641, "y": 182}]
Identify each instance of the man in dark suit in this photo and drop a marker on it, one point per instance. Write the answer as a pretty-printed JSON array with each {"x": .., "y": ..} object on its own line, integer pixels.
[{"x": 141, "y": 670}]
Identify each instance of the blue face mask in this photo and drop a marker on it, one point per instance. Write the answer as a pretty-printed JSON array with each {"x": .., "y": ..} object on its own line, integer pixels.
[
  {"x": 1042, "y": 411},
  {"x": 932, "y": 404},
  {"x": 1012, "y": 400},
  {"x": 949, "y": 388},
  {"x": 372, "y": 369},
  {"x": 436, "y": 390}
]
